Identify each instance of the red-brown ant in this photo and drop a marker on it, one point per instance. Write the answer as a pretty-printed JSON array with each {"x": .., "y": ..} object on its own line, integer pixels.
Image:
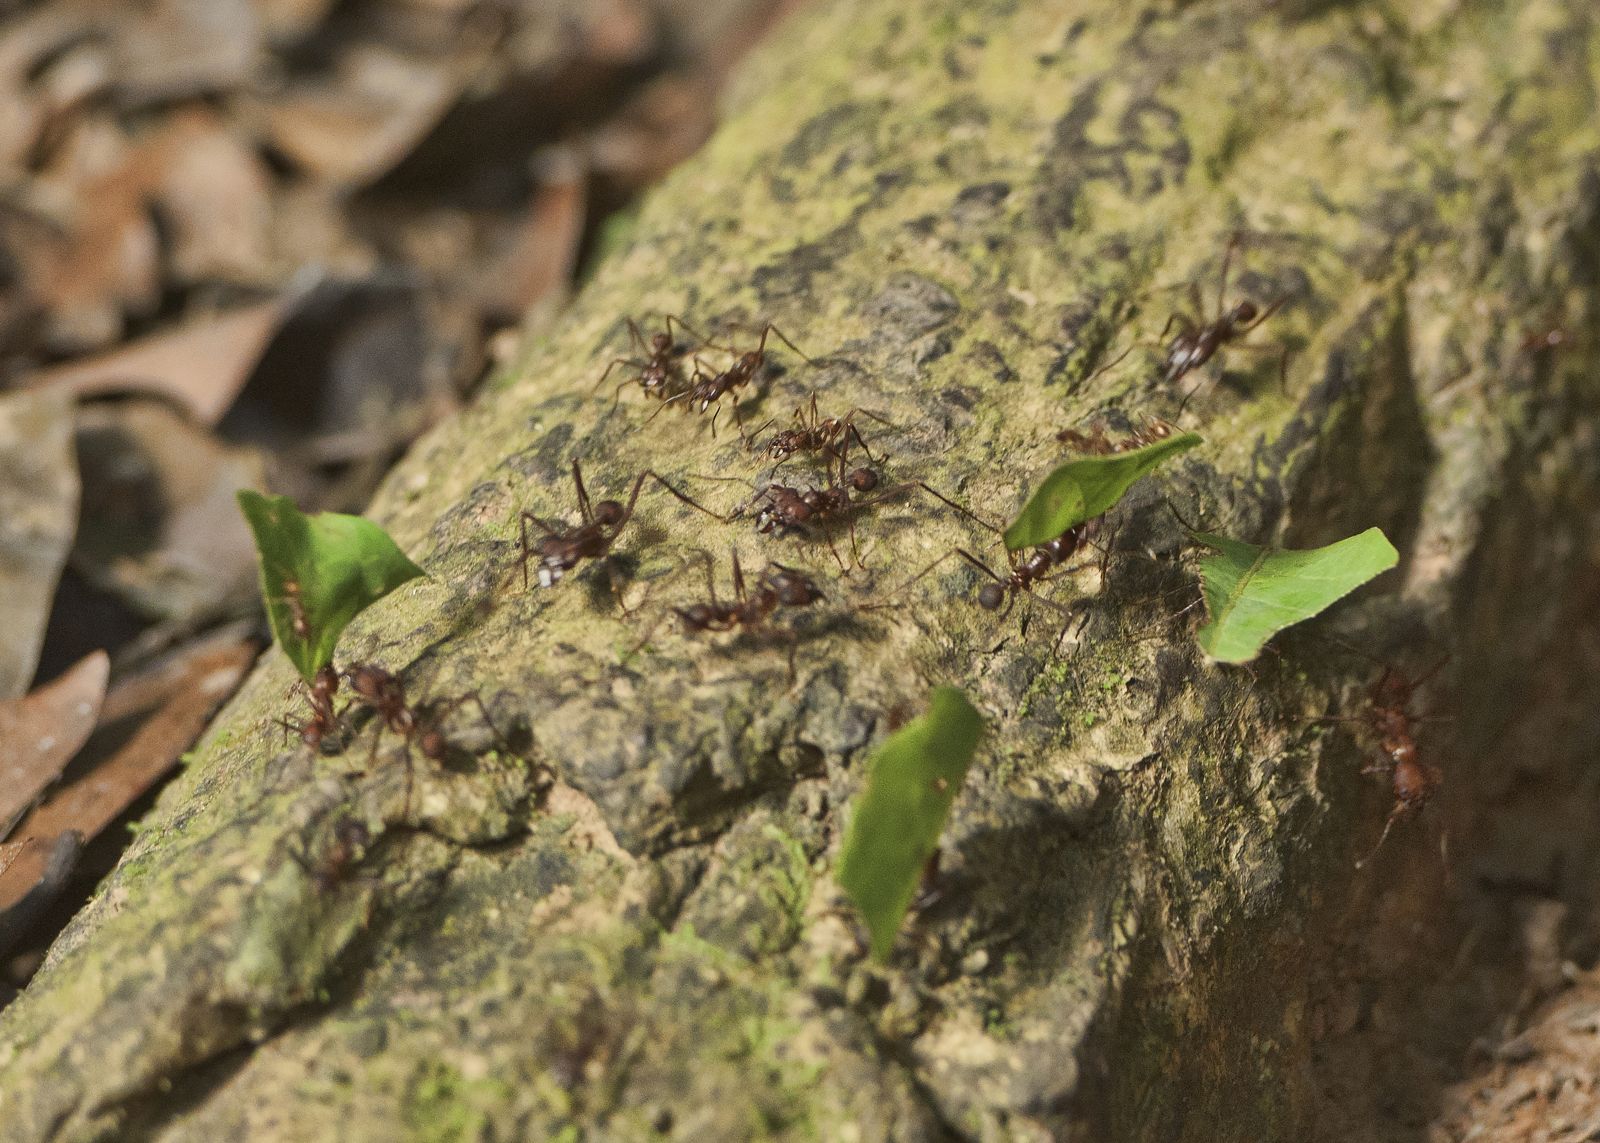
[
  {"x": 658, "y": 370},
  {"x": 298, "y": 622},
  {"x": 323, "y": 721},
  {"x": 1540, "y": 340},
  {"x": 827, "y": 437},
  {"x": 1413, "y": 780},
  {"x": 350, "y": 837},
  {"x": 779, "y": 586},
  {"x": 707, "y": 388},
  {"x": 385, "y": 693},
  {"x": 563, "y": 547},
  {"x": 1198, "y": 338},
  {"x": 1027, "y": 569},
  {"x": 1098, "y": 442},
  {"x": 787, "y": 509}
]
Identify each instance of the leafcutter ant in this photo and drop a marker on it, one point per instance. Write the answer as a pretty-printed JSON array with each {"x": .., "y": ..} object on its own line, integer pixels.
[
  {"x": 786, "y": 509},
  {"x": 1413, "y": 780},
  {"x": 350, "y": 838},
  {"x": 1199, "y": 338},
  {"x": 323, "y": 722},
  {"x": 385, "y": 693},
  {"x": 708, "y": 388},
  {"x": 658, "y": 369},
  {"x": 563, "y": 547},
  {"x": 1097, "y": 442},
  {"x": 1027, "y": 569},
  {"x": 778, "y": 586},
  {"x": 827, "y": 437},
  {"x": 298, "y": 622}
]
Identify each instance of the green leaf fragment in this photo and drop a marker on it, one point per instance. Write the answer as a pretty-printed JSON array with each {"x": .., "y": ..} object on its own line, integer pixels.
[
  {"x": 911, "y": 782},
  {"x": 1252, "y": 593},
  {"x": 318, "y": 573},
  {"x": 1085, "y": 488}
]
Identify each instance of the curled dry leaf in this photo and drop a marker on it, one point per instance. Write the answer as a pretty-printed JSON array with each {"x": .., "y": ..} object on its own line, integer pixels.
[
  {"x": 40, "y": 733},
  {"x": 201, "y": 365},
  {"x": 38, "y": 516},
  {"x": 91, "y": 801}
]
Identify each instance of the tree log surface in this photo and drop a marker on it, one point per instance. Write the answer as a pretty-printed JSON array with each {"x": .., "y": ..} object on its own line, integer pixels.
[{"x": 961, "y": 210}]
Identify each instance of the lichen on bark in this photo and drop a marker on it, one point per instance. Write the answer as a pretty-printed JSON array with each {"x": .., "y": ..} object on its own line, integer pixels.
[{"x": 961, "y": 211}]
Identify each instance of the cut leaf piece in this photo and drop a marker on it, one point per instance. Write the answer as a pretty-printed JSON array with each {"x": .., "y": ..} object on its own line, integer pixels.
[
  {"x": 911, "y": 782},
  {"x": 1252, "y": 593},
  {"x": 1085, "y": 488},
  {"x": 318, "y": 573}
]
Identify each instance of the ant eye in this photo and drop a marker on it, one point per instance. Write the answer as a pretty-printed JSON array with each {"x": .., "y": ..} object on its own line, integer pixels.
[{"x": 990, "y": 596}]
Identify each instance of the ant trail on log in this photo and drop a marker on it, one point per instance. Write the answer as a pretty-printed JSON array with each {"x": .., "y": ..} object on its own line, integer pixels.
[
  {"x": 708, "y": 388},
  {"x": 1199, "y": 338}
]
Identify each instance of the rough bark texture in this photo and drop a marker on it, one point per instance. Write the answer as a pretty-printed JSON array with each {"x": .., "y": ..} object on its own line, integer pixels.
[{"x": 961, "y": 209}]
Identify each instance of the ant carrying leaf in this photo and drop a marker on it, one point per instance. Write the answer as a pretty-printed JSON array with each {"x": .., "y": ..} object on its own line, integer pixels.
[
  {"x": 317, "y": 574},
  {"x": 1253, "y": 592},
  {"x": 895, "y": 822}
]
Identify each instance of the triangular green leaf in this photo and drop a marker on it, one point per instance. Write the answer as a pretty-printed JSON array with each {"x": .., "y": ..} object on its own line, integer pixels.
[
  {"x": 1085, "y": 488},
  {"x": 1252, "y": 593},
  {"x": 318, "y": 573},
  {"x": 911, "y": 782}
]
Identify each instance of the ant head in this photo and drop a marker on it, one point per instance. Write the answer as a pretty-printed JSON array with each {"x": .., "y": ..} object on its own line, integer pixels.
[
  {"x": 1244, "y": 311},
  {"x": 660, "y": 343},
  {"x": 991, "y": 596},
  {"x": 696, "y": 617},
  {"x": 366, "y": 680},
  {"x": 311, "y": 735},
  {"x": 325, "y": 682},
  {"x": 608, "y": 512},
  {"x": 863, "y": 480},
  {"x": 794, "y": 589}
]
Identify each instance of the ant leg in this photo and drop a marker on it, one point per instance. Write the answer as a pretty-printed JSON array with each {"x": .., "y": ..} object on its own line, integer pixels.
[
  {"x": 583, "y": 494},
  {"x": 967, "y": 512},
  {"x": 1394, "y": 815},
  {"x": 1222, "y": 278},
  {"x": 683, "y": 496},
  {"x": 738, "y": 578},
  {"x": 770, "y": 328},
  {"x": 550, "y": 529},
  {"x": 843, "y": 569},
  {"x": 855, "y": 433}
]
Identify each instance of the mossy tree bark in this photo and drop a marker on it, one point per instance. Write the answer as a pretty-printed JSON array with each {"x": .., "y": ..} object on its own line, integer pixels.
[{"x": 961, "y": 210}]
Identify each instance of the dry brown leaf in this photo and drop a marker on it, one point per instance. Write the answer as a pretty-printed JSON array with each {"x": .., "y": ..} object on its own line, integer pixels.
[
  {"x": 201, "y": 365},
  {"x": 39, "y": 507},
  {"x": 40, "y": 733},
  {"x": 160, "y": 528},
  {"x": 214, "y": 199},
  {"x": 93, "y": 801},
  {"x": 379, "y": 105}
]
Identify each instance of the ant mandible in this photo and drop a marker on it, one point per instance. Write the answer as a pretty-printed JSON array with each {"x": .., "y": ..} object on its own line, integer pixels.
[
  {"x": 1199, "y": 338},
  {"x": 707, "y": 389},
  {"x": 563, "y": 547}
]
